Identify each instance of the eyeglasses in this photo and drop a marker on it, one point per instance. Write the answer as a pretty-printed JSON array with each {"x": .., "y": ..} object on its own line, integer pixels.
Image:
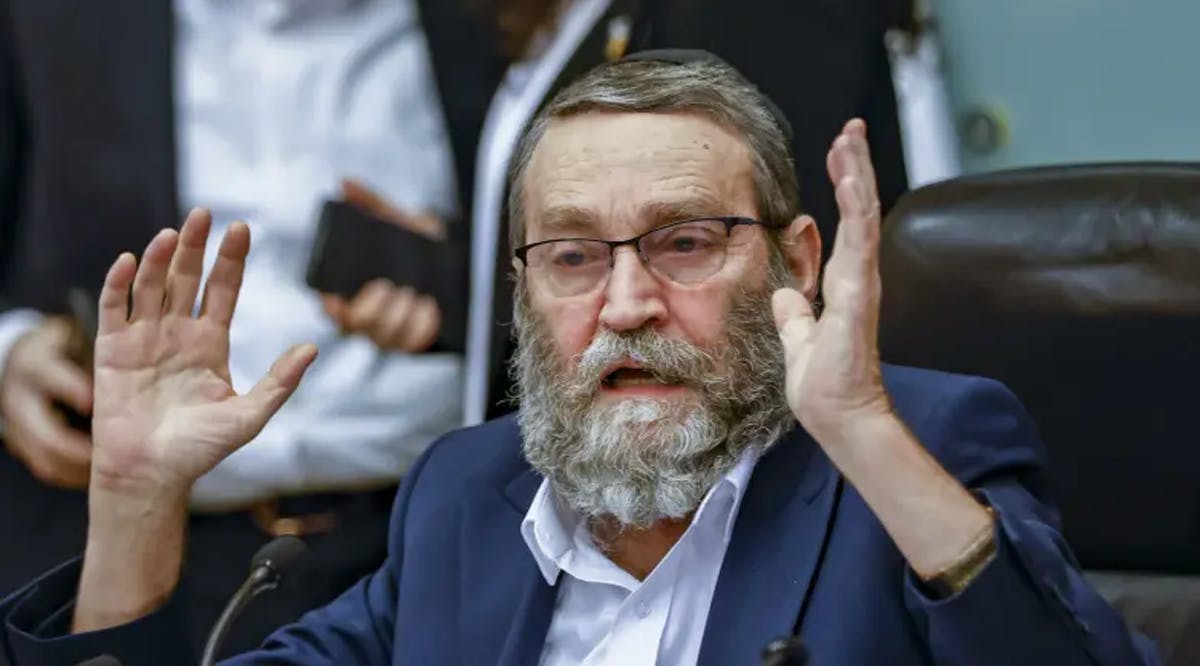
[{"x": 686, "y": 252}]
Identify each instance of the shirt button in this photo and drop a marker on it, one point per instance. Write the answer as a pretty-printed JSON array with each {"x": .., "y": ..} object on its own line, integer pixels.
[{"x": 643, "y": 610}]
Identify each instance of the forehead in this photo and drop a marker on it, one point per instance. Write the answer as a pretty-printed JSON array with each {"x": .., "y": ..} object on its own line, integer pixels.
[{"x": 615, "y": 172}]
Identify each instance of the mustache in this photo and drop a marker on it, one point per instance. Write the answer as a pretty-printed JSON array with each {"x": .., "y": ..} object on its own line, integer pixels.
[{"x": 667, "y": 360}]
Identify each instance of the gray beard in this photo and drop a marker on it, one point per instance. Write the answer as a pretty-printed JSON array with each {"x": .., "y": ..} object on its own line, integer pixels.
[{"x": 642, "y": 460}]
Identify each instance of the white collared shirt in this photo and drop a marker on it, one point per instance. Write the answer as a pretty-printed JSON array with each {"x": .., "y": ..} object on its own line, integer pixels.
[{"x": 604, "y": 616}]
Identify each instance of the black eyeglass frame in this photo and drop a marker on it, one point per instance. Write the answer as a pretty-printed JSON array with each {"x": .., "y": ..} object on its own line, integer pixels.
[{"x": 730, "y": 222}]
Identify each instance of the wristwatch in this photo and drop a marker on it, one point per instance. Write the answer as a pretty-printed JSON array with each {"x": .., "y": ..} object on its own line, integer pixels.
[{"x": 958, "y": 575}]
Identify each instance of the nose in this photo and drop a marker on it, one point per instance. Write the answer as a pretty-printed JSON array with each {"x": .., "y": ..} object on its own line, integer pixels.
[{"x": 633, "y": 297}]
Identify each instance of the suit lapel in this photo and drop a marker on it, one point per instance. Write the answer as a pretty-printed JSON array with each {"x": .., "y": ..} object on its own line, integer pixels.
[
  {"x": 775, "y": 553},
  {"x": 506, "y": 603}
]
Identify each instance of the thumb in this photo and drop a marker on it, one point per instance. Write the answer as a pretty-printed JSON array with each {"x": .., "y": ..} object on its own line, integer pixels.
[
  {"x": 361, "y": 196},
  {"x": 794, "y": 319},
  {"x": 269, "y": 394},
  {"x": 367, "y": 200}
]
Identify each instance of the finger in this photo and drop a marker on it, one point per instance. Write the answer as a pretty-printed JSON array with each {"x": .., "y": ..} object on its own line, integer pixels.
[
  {"x": 835, "y": 166},
  {"x": 55, "y": 453},
  {"x": 62, "y": 380},
  {"x": 368, "y": 305},
  {"x": 860, "y": 152},
  {"x": 794, "y": 319},
  {"x": 426, "y": 323},
  {"x": 225, "y": 278},
  {"x": 858, "y": 228},
  {"x": 269, "y": 394},
  {"x": 114, "y": 295},
  {"x": 846, "y": 162},
  {"x": 390, "y": 328},
  {"x": 53, "y": 470},
  {"x": 855, "y": 126},
  {"x": 55, "y": 334},
  {"x": 852, "y": 275},
  {"x": 183, "y": 278},
  {"x": 362, "y": 197},
  {"x": 151, "y": 277},
  {"x": 850, "y": 155},
  {"x": 335, "y": 307}
]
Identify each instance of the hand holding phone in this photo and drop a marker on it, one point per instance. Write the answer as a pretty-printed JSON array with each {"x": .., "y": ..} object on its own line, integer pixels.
[
  {"x": 411, "y": 273},
  {"x": 395, "y": 318}
]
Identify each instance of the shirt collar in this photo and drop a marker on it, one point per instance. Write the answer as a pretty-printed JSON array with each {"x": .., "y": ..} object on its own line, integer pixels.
[{"x": 549, "y": 525}]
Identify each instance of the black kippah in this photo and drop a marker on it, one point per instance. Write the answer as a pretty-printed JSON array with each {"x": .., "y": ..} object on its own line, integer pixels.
[{"x": 691, "y": 56}]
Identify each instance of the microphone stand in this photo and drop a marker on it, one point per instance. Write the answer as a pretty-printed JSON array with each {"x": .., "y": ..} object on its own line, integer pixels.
[
  {"x": 260, "y": 580},
  {"x": 265, "y": 572}
]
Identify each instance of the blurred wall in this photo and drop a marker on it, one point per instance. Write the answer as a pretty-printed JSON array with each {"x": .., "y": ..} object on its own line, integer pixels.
[{"x": 1051, "y": 81}]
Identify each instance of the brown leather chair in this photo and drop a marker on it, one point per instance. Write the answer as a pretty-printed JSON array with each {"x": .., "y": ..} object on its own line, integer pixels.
[{"x": 1079, "y": 287}]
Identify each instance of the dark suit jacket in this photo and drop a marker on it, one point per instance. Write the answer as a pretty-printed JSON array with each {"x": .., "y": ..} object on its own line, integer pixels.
[
  {"x": 460, "y": 586},
  {"x": 87, "y": 161}
]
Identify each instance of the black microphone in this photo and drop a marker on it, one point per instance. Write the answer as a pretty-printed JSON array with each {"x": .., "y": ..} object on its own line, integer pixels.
[
  {"x": 102, "y": 660},
  {"x": 266, "y": 570},
  {"x": 785, "y": 652}
]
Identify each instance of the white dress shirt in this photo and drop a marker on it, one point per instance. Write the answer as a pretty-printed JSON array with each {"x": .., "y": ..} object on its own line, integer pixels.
[
  {"x": 275, "y": 102},
  {"x": 520, "y": 94},
  {"x": 603, "y": 616}
]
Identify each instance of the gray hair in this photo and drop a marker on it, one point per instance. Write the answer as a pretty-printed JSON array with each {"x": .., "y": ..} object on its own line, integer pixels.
[{"x": 708, "y": 88}]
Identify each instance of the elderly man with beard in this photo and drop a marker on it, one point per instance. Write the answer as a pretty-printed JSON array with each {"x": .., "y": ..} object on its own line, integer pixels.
[{"x": 700, "y": 463}]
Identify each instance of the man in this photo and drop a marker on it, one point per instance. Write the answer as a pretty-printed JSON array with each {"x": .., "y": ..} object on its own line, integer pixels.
[
  {"x": 653, "y": 501},
  {"x": 114, "y": 117}
]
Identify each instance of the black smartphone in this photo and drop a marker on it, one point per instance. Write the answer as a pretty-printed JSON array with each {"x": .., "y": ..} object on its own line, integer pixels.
[{"x": 352, "y": 247}]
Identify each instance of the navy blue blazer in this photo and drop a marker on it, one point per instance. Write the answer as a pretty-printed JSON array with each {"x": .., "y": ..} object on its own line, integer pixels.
[{"x": 460, "y": 586}]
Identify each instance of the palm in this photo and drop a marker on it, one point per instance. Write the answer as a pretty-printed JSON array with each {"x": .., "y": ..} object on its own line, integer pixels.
[
  {"x": 164, "y": 404},
  {"x": 833, "y": 370}
]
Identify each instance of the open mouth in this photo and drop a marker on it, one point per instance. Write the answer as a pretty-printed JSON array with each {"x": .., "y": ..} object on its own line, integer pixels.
[{"x": 627, "y": 377}]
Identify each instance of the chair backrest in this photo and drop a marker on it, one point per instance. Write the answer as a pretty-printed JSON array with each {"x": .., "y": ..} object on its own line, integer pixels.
[{"x": 1079, "y": 287}]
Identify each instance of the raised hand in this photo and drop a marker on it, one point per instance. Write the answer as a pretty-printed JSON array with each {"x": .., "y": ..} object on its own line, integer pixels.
[
  {"x": 165, "y": 412},
  {"x": 835, "y": 387},
  {"x": 833, "y": 372}
]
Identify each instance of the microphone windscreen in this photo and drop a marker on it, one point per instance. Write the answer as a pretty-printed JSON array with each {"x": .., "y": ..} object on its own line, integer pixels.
[{"x": 279, "y": 554}]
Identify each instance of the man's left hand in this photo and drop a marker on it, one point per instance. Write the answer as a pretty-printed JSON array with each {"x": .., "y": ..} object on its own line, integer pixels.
[{"x": 833, "y": 375}]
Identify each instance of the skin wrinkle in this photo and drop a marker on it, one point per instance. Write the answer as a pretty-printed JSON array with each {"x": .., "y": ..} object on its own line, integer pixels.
[
  {"x": 639, "y": 460},
  {"x": 684, "y": 169}
]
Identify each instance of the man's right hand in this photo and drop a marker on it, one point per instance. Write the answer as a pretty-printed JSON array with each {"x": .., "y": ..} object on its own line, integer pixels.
[
  {"x": 165, "y": 413},
  {"x": 37, "y": 374}
]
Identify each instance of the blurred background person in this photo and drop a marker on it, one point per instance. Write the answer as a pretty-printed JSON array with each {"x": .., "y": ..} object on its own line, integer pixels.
[{"x": 113, "y": 120}]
